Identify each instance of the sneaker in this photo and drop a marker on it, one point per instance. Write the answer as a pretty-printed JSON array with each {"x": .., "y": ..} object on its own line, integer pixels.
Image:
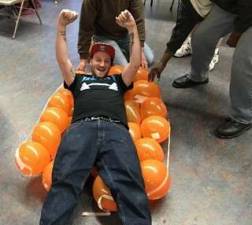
[
  {"x": 185, "y": 49},
  {"x": 215, "y": 60}
]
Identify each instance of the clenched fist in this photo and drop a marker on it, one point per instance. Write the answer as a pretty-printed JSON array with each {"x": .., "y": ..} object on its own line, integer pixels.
[
  {"x": 126, "y": 20},
  {"x": 66, "y": 17}
]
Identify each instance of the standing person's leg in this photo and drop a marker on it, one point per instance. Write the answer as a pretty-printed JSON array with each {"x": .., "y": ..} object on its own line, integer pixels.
[
  {"x": 148, "y": 54},
  {"x": 240, "y": 90},
  {"x": 73, "y": 162},
  {"x": 120, "y": 170},
  {"x": 187, "y": 18},
  {"x": 124, "y": 44},
  {"x": 204, "y": 40}
]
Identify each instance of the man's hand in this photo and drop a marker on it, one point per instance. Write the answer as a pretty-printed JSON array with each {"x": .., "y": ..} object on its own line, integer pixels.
[
  {"x": 233, "y": 39},
  {"x": 126, "y": 20},
  {"x": 155, "y": 71},
  {"x": 66, "y": 17}
]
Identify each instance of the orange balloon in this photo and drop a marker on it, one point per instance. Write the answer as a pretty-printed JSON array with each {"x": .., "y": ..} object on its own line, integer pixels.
[
  {"x": 134, "y": 130},
  {"x": 69, "y": 120},
  {"x": 47, "y": 176},
  {"x": 69, "y": 95},
  {"x": 148, "y": 148},
  {"x": 129, "y": 95},
  {"x": 156, "y": 127},
  {"x": 57, "y": 116},
  {"x": 102, "y": 196},
  {"x": 61, "y": 101},
  {"x": 145, "y": 88},
  {"x": 142, "y": 74},
  {"x": 47, "y": 134},
  {"x": 153, "y": 106},
  {"x": 116, "y": 69},
  {"x": 132, "y": 111},
  {"x": 31, "y": 158},
  {"x": 156, "y": 179}
]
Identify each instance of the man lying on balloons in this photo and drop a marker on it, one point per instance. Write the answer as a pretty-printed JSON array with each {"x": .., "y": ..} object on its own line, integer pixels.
[{"x": 105, "y": 133}]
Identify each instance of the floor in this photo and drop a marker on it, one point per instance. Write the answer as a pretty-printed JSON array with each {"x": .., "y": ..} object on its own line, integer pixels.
[{"x": 212, "y": 178}]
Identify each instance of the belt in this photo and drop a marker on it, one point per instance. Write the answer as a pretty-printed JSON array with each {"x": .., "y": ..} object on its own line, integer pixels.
[{"x": 107, "y": 119}]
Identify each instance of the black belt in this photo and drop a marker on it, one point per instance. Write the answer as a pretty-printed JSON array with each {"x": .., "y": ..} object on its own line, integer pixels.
[{"x": 107, "y": 119}]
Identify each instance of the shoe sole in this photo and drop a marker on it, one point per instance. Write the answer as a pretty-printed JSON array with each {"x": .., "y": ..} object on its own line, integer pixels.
[{"x": 190, "y": 86}]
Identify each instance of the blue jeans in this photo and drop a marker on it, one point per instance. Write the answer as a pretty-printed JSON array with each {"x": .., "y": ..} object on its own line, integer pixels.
[
  {"x": 108, "y": 146},
  {"x": 121, "y": 47}
]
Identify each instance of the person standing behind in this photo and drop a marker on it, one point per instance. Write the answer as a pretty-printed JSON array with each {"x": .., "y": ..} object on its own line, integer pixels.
[
  {"x": 189, "y": 14},
  {"x": 97, "y": 24},
  {"x": 226, "y": 16},
  {"x": 98, "y": 134}
]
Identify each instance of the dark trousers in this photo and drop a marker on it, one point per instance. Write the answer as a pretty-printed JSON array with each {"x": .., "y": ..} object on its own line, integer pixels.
[
  {"x": 108, "y": 146},
  {"x": 187, "y": 18}
]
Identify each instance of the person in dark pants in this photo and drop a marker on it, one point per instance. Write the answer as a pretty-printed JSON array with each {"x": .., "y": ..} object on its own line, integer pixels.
[
  {"x": 97, "y": 23},
  {"x": 98, "y": 135},
  {"x": 235, "y": 17},
  {"x": 189, "y": 14}
]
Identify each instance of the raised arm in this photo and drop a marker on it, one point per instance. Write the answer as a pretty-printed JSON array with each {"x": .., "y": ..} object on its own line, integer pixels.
[
  {"x": 125, "y": 19},
  {"x": 65, "y": 17}
]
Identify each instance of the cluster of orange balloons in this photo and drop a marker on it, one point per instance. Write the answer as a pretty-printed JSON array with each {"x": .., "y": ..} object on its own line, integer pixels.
[
  {"x": 35, "y": 155},
  {"x": 148, "y": 127}
]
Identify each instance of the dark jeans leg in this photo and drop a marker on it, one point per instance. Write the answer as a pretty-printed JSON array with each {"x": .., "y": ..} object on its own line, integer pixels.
[
  {"x": 74, "y": 160},
  {"x": 187, "y": 18},
  {"x": 119, "y": 167}
]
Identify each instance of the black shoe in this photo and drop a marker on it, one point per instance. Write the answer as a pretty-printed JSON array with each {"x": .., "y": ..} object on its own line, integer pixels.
[
  {"x": 231, "y": 128},
  {"x": 186, "y": 82}
]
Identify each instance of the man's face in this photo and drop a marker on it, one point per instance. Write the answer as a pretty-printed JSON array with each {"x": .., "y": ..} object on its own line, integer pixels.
[{"x": 101, "y": 63}]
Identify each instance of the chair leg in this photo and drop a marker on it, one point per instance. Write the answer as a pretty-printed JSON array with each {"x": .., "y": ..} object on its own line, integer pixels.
[
  {"x": 171, "y": 7},
  {"x": 151, "y": 3},
  {"x": 18, "y": 18},
  {"x": 36, "y": 11}
]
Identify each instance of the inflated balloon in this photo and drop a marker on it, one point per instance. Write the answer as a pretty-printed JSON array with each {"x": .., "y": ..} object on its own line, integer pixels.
[
  {"x": 102, "y": 196},
  {"x": 134, "y": 130},
  {"x": 132, "y": 111},
  {"x": 155, "y": 127},
  {"x": 153, "y": 106},
  {"x": 116, "y": 69},
  {"x": 70, "y": 120},
  {"x": 61, "y": 101},
  {"x": 142, "y": 74},
  {"x": 69, "y": 95},
  {"x": 57, "y": 116},
  {"x": 47, "y": 134},
  {"x": 145, "y": 88},
  {"x": 148, "y": 148},
  {"x": 129, "y": 95},
  {"x": 47, "y": 176},
  {"x": 31, "y": 158},
  {"x": 156, "y": 179}
]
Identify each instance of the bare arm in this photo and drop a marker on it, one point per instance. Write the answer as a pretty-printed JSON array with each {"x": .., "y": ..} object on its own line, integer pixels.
[
  {"x": 65, "y": 17},
  {"x": 125, "y": 19}
]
